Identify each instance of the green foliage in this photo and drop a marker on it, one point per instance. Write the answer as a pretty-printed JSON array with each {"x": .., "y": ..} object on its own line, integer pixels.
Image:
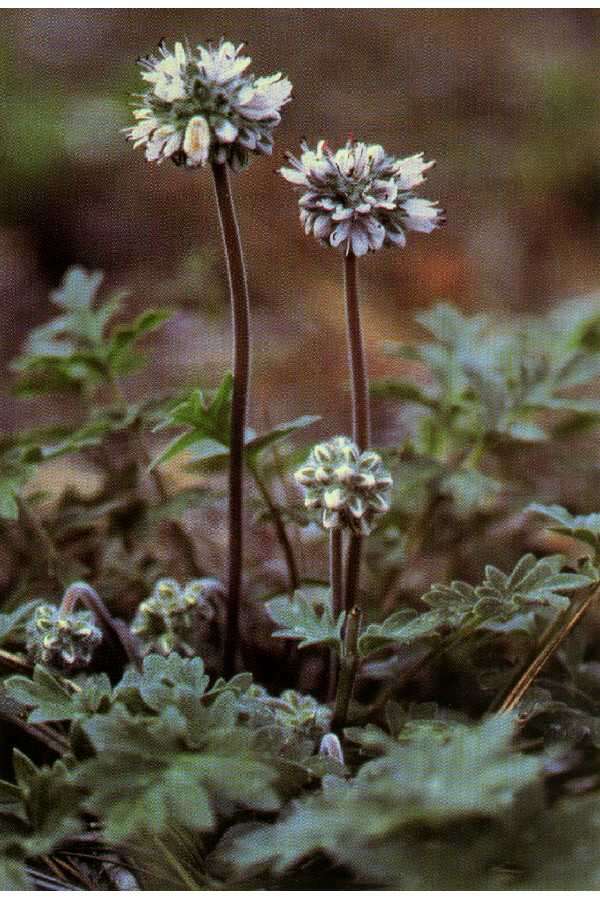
[
  {"x": 403, "y": 627},
  {"x": 371, "y": 823},
  {"x": 306, "y": 617},
  {"x": 150, "y": 772},
  {"x": 582, "y": 528},
  {"x": 12, "y": 625},
  {"x": 76, "y": 350},
  {"x": 36, "y": 815},
  {"x": 207, "y": 425},
  {"x": 15, "y": 472},
  {"x": 482, "y": 389},
  {"x": 50, "y": 699},
  {"x": 507, "y": 602}
]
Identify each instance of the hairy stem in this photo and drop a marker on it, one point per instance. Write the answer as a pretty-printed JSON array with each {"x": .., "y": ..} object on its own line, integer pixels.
[
  {"x": 335, "y": 570},
  {"x": 348, "y": 667},
  {"x": 280, "y": 529},
  {"x": 240, "y": 311},
  {"x": 361, "y": 424},
  {"x": 337, "y": 596}
]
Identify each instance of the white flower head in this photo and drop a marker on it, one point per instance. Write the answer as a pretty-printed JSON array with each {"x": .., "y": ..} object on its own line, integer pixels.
[
  {"x": 202, "y": 106},
  {"x": 359, "y": 197},
  {"x": 351, "y": 488}
]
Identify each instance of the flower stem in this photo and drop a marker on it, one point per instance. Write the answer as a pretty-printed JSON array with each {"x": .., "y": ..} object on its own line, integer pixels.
[
  {"x": 337, "y": 596},
  {"x": 280, "y": 530},
  {"x": 361, "y": 425},
  {"x": 348, "y": 667},
  {"x": 335, "y": 570},
  {"x": 240, "y": 310}
]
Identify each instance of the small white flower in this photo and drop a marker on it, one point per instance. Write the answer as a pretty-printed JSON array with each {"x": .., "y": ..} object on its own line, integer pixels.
[
  {"x": 202, "y": 106},
  {"x": 360, "y": 197}
]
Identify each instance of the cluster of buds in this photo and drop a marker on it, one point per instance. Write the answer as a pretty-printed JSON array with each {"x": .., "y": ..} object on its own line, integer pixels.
[
  {"x": 203, "y": 106},
  {"x": 351, "y": 488},
  {"x": 294, "y": 711},
  {"x": 166, "y": 620},
  {"x": 62, "y": 639},
  {"x": 360, "y": 197}
]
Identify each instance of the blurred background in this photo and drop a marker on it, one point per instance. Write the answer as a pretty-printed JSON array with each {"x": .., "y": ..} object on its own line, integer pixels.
[{"x": 506, "y": 101}]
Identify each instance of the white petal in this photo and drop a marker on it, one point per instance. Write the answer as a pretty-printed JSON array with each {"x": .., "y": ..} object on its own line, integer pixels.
[
  {"x": 226, "y": 131},
  {"x": 421, "y": 215},
  {"x": 410, "y": 172},
  {"x": 196, "y": 143},
  {"x": 293, "y": 176},
  {"x": 339, "y": 234},
  {"x": 360, "y": 242},
  {"x": 322, "y": 227}
]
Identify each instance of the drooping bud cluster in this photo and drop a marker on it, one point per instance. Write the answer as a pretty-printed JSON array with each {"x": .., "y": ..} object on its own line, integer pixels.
[
  {"x": 63, "y": 640},
  {"x": 360, "y": 197},
  {"x": 350, "y": 487},
  {"x": 166, "y": 620},
  {"x": 203, "y": 106}
]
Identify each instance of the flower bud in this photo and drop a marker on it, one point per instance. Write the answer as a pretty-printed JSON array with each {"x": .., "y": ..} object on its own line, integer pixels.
[
  {"x": 351, "y": 488},
  {"x": 62, "y": 640}
]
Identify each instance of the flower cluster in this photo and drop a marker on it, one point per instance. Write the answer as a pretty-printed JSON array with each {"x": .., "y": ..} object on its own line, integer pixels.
[
  {"x": 63, "y": 640},
  {"x": 360, "y": 197},
  {"x": 203, "y": 106},
  {"x": 166, "y": 619},
  {"x": 292, "y": 710},
  {"x": 350, "y": 487}
]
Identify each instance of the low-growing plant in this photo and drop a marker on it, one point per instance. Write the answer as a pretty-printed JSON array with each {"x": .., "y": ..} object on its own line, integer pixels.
[{"x": 413, "y": 703}]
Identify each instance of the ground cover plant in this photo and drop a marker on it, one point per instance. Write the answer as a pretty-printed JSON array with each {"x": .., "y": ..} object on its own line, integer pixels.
[{"x": 418, "y": 706}]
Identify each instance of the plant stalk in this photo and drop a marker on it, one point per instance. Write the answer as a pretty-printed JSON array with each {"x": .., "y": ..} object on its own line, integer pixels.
[
  {"x": 348, "y": 667},
  {"x": 280, "y": 529},
  {"x": 361, "y": 424},
  {"x": 337, "y": 596},
  {"x": 240, "y": 311}
]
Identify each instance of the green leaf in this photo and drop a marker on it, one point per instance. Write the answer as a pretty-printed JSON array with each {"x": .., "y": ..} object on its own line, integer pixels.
[
  {"x": 120, "y": 357},
  {"x": 52, "y": 701},
  {"x": 49, "y": 699},
  {"x": 12, "y": 624},
  {"x": 144, "y": 780},
  {"x": 582, "y": 528},
  {"x": 166, "y": 681},
  {"x": 13, "y": 875},
  {"x": 372, "y": 823},
  {"x": 405, "y": 391},
  {"x": 404, "y": 628},
  {"x": 257, "y": 445},
  {"x": 501, "y": 599},
  {"x": 307, "y": 617},
  {"x": 203, "y": 420}
]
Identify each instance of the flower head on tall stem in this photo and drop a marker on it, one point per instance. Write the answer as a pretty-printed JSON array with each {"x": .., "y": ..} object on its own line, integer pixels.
[
  {"x": 203, "y": 106},
  {"x": 359, "y": 197},
  {"x": 349, "y": 487}
]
